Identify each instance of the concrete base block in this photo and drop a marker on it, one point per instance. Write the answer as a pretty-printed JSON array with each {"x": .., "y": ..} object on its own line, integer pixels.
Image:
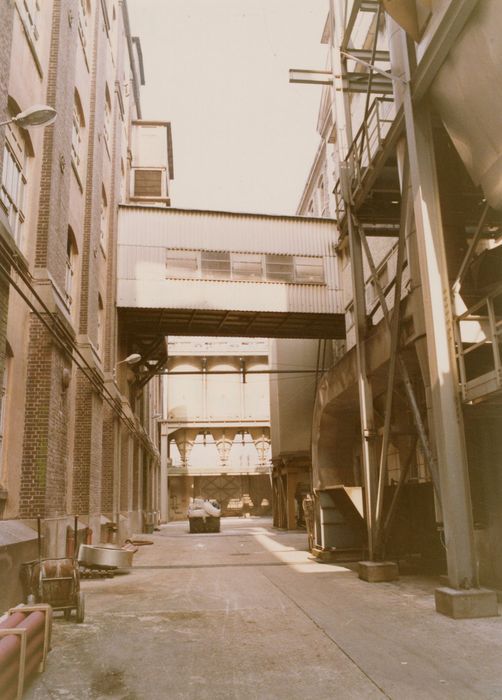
[
  {"x": 378, "y": 571},
  {"x": 470, "y": 603}
]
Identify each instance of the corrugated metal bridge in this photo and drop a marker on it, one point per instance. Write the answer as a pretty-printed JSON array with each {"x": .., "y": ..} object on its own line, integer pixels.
[{"x": 190, "y": 272}]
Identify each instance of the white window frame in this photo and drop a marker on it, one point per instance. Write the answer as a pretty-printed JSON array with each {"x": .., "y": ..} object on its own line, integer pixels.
[
  {"x": 107, "y": 122},
  {"x": 12, "y": 189},
  {"x": 76, "y": 136},
  {"x": 243, "y": 259},
  {"x": 306, "y": 261},
  {"x": 103, "y": 218},
  {"x": 100, "y": 325},
  {"x": 275, "y": 268},
  {"x": 30, "y": 11},
  {"x": 193, "y": 255},
  {"x": 215, "y": 265},
  {"x": 200, "y": 268}
]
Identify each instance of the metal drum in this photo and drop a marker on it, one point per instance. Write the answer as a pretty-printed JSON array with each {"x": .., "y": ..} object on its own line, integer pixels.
[{"x": 104, "y": 556}]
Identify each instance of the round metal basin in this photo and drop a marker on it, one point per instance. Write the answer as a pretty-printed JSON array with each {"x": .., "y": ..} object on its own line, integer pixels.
[{"x": 104, "y": 556}]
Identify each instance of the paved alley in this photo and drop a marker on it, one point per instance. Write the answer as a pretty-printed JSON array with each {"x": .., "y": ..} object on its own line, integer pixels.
[{"x": 248, "y": 613}]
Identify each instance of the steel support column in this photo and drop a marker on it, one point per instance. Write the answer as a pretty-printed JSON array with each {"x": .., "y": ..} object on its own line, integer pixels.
[
  {"x": 342, "y": 114},
  {"x": 395, "y": 326},
  {"x": 368, "y": 433},
  {"x": 452, "y": 459}
]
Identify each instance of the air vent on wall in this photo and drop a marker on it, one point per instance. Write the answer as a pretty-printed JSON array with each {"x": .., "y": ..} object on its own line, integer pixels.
[{"x": 148, "y": 183}]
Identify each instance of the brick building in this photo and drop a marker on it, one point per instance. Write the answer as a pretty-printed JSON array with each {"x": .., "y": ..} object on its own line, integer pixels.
[{"x": 77, "y": 432}]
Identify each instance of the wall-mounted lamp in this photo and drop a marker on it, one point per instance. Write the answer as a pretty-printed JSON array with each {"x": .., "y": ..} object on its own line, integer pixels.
[
  {"x": 129, "y": 360},
  {"x": 38, "y": 115}
]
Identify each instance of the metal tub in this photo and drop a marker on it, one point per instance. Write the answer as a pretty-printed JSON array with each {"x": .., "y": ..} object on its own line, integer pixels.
[{"x": 104, "y": 556}]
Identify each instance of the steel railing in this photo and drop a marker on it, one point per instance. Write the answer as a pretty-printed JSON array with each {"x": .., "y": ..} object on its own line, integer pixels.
[{"x": 478, "y": 332}]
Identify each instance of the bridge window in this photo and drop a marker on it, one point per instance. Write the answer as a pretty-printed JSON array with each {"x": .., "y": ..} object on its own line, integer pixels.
[
  {"x": 309, "y": 269},
  {"x": 221, "y": 265},
  {"x": 247, "y": 267},
  {"x": 279, "y": 268},
  {"x": 182, "y": 263},
  {"x": 215, "y": 265}
]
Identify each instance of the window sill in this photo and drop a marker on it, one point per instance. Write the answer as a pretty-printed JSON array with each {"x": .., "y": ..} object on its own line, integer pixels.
[
  {"x": 151, "y": 200},
  {"x": 254, "y": 281}
]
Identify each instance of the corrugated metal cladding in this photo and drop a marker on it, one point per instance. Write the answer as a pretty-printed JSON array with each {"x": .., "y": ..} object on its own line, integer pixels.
[
  {"x": 246, "y": 233},
  {"x": 152, "y": 292}
]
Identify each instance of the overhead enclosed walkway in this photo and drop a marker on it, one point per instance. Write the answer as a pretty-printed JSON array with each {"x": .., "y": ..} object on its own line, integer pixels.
[
  {"x": 208, "y": 273},
  {"x": 247, "y": 614}
]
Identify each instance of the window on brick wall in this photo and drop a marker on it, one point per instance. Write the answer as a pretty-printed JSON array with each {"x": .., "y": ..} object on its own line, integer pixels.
[
  {"x": 29, "y": 11},
  {"x": 107, "y": 124},
  {"x": 77, "y": 134},
  {"x": 4, "y": 398},
  {"x": 84, "y": 13},
  {"x": 71, "y": 268},
  {"x": 16, "y": 153},
  {"x": 101, "y": 323},
  {"x": 13, "y": 182},
  {"x": 104, "y": 218},
  {"x": 321, "y": 194}
]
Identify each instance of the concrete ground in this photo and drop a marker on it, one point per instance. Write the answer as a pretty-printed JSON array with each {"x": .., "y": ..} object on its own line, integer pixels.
[{"x": 248, "y": 613}]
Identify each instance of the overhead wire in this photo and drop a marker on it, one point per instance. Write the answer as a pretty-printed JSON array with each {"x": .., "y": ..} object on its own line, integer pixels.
[{"x": 65, "y": 341}]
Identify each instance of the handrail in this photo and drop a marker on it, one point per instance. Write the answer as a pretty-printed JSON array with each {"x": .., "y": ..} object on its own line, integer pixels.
[
  {"x": 476, "y": 384},
  {"x": 363, "y": 149}
]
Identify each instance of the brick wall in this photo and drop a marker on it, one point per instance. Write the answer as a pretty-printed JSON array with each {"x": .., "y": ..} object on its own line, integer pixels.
[
  {"x": 108, "y": 460},
  {"x": 56, "y": 159},
  {"x": 124, "y": 470},
  {"x": 94, "y": 176},
  {"x": 86, "y": 496},
  {"x": 43, "y": 467}
]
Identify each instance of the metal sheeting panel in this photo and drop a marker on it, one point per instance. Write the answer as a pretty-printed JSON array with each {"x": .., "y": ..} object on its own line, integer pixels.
[
  {"x": 151, "y": 291},
  {"x": 247, "y": 233}
]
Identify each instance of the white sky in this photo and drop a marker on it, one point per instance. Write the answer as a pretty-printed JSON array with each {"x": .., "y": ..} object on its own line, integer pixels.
[{"x": 243, "y": 137}]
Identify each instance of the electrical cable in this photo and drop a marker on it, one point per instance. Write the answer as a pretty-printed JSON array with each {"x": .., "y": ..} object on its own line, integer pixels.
[{"x": 65, "y": 341}]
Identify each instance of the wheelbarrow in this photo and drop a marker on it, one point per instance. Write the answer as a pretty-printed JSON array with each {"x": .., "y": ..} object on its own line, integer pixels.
[{"x": 55, "y": 581}]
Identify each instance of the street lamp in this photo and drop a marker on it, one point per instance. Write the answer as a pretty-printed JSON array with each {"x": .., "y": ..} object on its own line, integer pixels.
[
  {"x": 38, "y": 115},
  {"x": 131, "y": 359}
]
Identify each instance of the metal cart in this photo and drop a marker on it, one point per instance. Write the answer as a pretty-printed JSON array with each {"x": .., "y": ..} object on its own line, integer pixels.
[{"x": 55, "y": 581}]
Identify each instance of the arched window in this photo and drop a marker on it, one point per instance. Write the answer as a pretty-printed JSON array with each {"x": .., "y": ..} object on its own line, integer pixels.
[
  {"x": 77, "y": 133},
  {"x": 30, "y": 11},
  {"x": 107, "y": 125},
  {"x": 101, "y": 323},
  {"x": 17, "y": 149},
  {"x": 104, "y": 217},
  {"x": 71, "y": 267}
]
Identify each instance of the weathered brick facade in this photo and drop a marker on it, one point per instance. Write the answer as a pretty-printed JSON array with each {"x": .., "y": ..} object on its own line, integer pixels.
[
  {"x": 70, "y": 448},
  {"x": 109, "y": 455},
  {"x": 43, "y": 476}
]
